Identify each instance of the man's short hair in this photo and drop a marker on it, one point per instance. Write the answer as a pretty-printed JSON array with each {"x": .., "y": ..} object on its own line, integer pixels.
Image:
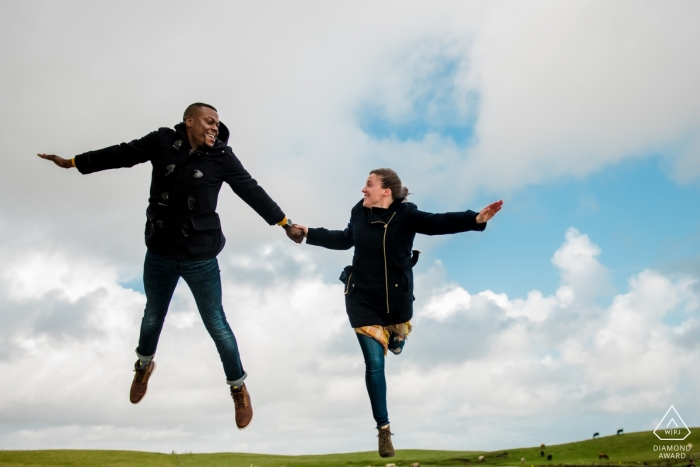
[{"x": 192, "y": 109}]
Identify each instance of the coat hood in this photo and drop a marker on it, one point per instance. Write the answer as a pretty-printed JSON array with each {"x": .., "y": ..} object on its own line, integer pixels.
[{"x": 223, "y": 133}]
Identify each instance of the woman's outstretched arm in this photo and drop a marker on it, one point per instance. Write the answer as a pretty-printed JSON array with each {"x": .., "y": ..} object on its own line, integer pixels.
[
  {"x": 331, "y": 239},
  {"x": 451, "y": 222}
]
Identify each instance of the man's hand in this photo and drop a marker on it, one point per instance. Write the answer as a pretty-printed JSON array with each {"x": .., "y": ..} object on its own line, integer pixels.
[
  {"x": 304, "y": 229},
  {"x": 488, "y": 212},
  {"x": 294, "y": 233},
  {"x": 59, "y": 161}
]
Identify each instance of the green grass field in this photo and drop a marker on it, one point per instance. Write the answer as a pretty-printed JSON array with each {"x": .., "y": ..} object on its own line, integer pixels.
[{"x": 630, "y": 449}]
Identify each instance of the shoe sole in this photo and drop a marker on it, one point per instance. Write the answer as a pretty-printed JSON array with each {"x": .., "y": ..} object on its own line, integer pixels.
[
  {"x": 149, "y": 378},
  {"x": 251, "y": 419},
  {"x": 241, "y": 429}
]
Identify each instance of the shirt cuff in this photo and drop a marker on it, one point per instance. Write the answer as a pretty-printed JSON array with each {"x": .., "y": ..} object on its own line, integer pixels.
[{"x": 283, "y": 222}]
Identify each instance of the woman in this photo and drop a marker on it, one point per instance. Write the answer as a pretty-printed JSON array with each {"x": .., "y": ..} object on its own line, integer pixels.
[{"x": 379, "y": 283}]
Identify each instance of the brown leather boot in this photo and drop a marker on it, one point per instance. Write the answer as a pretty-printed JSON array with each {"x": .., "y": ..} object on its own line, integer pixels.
[
  {"x": 386, "y": 449},
  {"x": 140, "y": 383},
  {"x": 244, "y": 411}
]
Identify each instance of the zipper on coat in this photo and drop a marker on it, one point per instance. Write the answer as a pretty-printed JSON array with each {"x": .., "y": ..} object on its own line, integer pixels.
[{"x": 386, "y": 274}]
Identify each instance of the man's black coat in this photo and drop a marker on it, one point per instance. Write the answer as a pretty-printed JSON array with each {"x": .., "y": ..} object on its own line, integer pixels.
[
  {"x": 379, "y": 284},
  {"x": 182, "y": 222}
]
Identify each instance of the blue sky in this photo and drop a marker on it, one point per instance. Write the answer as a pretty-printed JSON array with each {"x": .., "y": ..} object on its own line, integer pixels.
[
  {"x": 582, "y": 116},
  {"x": 632, "y": 210},
  {"x": 433, "y": 107}
]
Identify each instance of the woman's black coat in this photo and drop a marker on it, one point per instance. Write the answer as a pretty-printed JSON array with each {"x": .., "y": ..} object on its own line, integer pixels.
[{"x": 379, "y": 283}]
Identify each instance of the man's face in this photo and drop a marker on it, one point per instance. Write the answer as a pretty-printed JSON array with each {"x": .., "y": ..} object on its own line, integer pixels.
[{"x": 202, "y": 127}]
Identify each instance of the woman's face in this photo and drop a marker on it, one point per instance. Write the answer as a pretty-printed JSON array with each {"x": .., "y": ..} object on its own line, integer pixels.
[{"x": 375, "y": 195}]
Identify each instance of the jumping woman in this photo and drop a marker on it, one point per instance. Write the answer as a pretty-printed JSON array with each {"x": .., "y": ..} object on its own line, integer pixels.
[{"x": 379, "y": 283}]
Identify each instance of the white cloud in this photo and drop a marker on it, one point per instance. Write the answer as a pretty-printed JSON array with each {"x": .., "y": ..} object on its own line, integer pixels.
[
  {"x": 580, "y": 269},
  {"x": 490, "y": 357},
  {"x": 555, "y": 90},
  {"x": 561, "y": 90},
  {"x": 448, "y": 303},
  {"x": 558, "y": 353},
  {"x": 569, "y": 90}
]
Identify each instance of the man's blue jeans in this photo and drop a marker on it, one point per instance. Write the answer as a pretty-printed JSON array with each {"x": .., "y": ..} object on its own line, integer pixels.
[
  {"x": 374, "y": 377},
  {"x": 160, "y": 276}
]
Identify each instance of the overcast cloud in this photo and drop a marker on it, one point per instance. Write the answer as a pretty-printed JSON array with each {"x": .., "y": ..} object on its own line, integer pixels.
[
  {"x": 490, "y": 356},
  {"x": 469, "y": 102}
]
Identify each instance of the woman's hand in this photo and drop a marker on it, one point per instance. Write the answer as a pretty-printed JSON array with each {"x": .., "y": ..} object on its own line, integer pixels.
[
  {"x": 295, "y": 234},
  {"x": 488, "y": 212},
  {"x": 304, "y": 228}
]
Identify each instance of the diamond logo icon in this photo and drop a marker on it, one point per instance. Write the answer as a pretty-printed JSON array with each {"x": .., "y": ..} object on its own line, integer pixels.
[{"x": 672, "y": 427}]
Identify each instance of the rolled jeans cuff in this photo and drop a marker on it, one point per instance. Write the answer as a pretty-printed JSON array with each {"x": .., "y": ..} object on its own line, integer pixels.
[
  {"x": 142, "y": 358},
  {"x": 238, "y": 382}
]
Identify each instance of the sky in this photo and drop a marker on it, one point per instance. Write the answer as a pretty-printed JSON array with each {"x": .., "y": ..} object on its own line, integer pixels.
[{"x": 576, "y": 311}]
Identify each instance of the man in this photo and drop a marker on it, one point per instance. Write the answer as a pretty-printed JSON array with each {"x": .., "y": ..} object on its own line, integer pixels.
[{"x": 183, "y": 231}]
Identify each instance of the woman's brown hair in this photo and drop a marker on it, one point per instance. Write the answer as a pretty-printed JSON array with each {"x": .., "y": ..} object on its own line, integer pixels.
[{"x": 391, "y": 180}]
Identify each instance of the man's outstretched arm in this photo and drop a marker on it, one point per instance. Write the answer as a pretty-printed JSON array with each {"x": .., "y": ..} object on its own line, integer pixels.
[
  {"x": 59, "y": 161},
  {"x": 247, "y": 188},
  {"x": 113, "y": 157}
]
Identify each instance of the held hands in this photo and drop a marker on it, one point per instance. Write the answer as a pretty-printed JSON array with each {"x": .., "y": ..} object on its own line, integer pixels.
[
  {"x": 59, "y": 161},
  {"x": 488, "y": 212},
  {"x": 304, "y": 229},
  {"x": 295, "y": 233}
]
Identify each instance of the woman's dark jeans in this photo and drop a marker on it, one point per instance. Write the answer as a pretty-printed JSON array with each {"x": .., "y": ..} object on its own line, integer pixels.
[
  {"x": 374, "y": 377},
  {"x": 160, "y": 276}
]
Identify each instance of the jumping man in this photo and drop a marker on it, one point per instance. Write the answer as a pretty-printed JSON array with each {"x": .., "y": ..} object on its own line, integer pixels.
[{"x": 183, "y": 231}]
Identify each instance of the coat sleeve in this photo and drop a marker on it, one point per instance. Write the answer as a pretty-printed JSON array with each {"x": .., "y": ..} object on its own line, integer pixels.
[
  {"x": 331, "y": 239},
  {"x": 247, "y": 188},
  {"x": 444, "y": 223},
  {"x": 115, "y": 157}
]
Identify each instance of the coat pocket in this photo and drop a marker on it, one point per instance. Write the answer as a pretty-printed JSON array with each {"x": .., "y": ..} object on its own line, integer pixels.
[
  {"x": 347, "y": 278},
  {"x": 206, "y": 222},
  {"x": 404, "y": 270},
  {"x": 405, "y": 280},
  {"x": 152, "y": 225},
  {"x": 408, "y": 262},
  {"x": 205, "y": 236}
]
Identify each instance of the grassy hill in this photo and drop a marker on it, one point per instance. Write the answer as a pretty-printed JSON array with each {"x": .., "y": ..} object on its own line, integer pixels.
[{"x": 630, "y": 449}]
